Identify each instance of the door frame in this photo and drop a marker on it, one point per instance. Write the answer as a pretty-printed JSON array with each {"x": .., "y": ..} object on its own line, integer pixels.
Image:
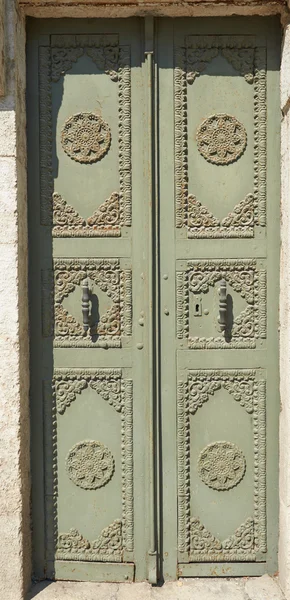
[{"x": 21, "y": 576}]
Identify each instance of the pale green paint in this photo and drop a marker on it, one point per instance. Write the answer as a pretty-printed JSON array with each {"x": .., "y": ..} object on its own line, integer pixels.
[{"x": 153, "y": 247}]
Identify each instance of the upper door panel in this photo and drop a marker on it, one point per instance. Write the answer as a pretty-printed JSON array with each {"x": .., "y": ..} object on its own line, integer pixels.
[{"x": 220, "y": 136}]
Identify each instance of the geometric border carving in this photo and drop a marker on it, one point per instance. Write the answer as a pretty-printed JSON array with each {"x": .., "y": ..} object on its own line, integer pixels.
[
  {"x": 54, "y": 62},
  {"x": 249, "y": 59},
  {"x": 246, "y": 278},
  {"x": 233, "y": 381},
  {"x": 58, "y": 395}
]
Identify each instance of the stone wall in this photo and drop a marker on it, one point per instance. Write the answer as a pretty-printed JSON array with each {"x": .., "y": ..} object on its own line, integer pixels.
[{"x": 14, "y": 365}]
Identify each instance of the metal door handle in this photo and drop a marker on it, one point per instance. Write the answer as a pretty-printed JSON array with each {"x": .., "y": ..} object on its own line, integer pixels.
[
  {"x": 223, "y": 305},
  {"x": 86, "y": 305}
]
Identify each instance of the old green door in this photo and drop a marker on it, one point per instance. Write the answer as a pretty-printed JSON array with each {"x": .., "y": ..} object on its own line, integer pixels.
[
  {"x": 154, "y": 236},
  {"x": 90, "y": 361},
  {"x": 219, "y": 253}
]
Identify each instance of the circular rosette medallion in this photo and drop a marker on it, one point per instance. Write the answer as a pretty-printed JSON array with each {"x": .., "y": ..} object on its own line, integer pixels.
[
  {"x": 90, "y": 465},
  {"x": 221, "y": 139},
  {"x": 221, "y": 465},
  {"x": 86, "y": 137}
]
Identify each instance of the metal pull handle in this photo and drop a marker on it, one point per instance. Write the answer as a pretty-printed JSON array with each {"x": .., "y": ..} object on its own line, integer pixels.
[
  {"x": 86, "y": 305},
  {"x": 223, "y": 305}
]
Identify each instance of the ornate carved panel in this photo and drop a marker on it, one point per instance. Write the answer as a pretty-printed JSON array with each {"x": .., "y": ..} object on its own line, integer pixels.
[
  {"x": 108, "y": 547},
  {"x": 206, "y": 547},
  {"x": 107, "y": 329},
  {"x": 221, "y": 470},
  {"x": 54, "y": 63},
  {"x": 107, "y": 220},
  {"x": 246, "y": 278},
  {"x": 248, "y": 58},
  {"x": 90, "y": 464}
]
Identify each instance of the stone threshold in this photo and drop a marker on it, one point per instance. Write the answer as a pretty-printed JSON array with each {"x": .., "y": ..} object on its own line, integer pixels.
[{"x": 242, "y": 588}]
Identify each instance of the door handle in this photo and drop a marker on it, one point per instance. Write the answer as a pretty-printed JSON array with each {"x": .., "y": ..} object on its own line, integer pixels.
[
  {"x": 222, "y": 320},
  {"x": 86, "y": 305}
]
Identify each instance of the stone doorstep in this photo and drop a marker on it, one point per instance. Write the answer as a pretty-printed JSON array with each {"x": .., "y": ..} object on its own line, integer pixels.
[{"x": 244, "y": 588}]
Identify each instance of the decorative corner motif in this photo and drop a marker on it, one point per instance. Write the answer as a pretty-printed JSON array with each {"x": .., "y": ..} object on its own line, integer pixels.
[
  {"x": 242, "y": 385},
  {"x": 106, "y": 221},
  {"x": 108, "y": 547},
  {"x": 205, "y": 547},
  {"x": 197, "y": 60},
  {"x": 221, "y": 465},
  {"x": 246, "y": 279},
  {"x": 248, "y": 58},
  {"x": 114, "y": 323},
  {"x": 86, "y": 137},
  {"x": 245, "y": 387},
  {"x": 90, "y": 465},
  {"x": 239, "y": 51},
  {"x": 104, "y": 51},
  {"x": 239, "y": 223},
  {"x": 114, "y": 60},
  {"x": 221, "y": 139}
]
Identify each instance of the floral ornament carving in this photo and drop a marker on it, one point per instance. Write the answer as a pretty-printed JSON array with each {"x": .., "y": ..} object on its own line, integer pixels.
[
  {"x": 197, "y": 59},
  {"x": 106, "y": 221},
  {"x": 221, "y": 139},
  {"x": 199, "y": 391},
  {"x": 107, "y": 547},
  {"x": 86, "y": 137},
  {"x": 221, "y": 465},
  {"x": 240, "y": 384},
  {"x": 103, "y": 50},
  {"x": 246, "y": 278},
  {"x": 110, "y": 390},
  {"x": 242, "y": 59},
  {"x": 90, "y": 465},
  {"x": 106, "y": 382},
  {"x": 201, "y": 223},
  {"x": 66, "y": 389},
  {"x": 239, "y": 546},
  {"x": 114, "y": 322},
  {"x": 243, "y": 214}
]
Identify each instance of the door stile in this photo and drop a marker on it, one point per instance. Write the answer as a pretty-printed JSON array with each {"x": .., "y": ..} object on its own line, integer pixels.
[
  {"x": 168, "y": 484},
  {"x": 152, "y": 317}
]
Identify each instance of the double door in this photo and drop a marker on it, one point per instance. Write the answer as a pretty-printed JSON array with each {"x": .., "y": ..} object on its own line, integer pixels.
[{"x": 154, "y": 253}]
